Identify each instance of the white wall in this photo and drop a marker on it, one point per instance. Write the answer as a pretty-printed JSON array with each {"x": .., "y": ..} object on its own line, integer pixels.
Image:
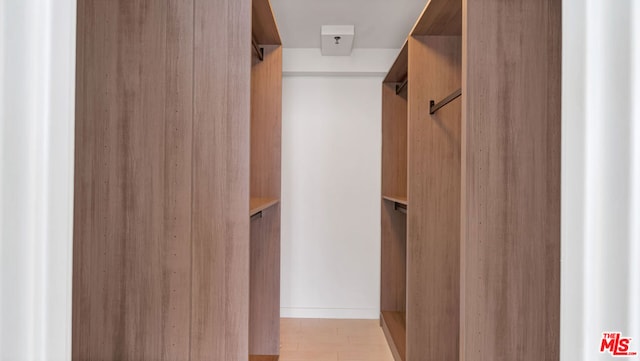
[
  {"x": 362, "y": 62},
  {"x": 331, "y": 149},
  {"x": 600, "y": 176},
  {"x": 331, "y": 145},
  {"x": 37, "y": 72}
]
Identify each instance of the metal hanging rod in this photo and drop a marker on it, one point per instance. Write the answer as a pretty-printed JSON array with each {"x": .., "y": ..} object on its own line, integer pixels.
[
  {"x": 256, "y": 216},
  {"x": 401, "y": 86},
  {"x": 433, "y": 107},
  {"x": 400, "y": 207},
  {"x": 259, "y": 51}
]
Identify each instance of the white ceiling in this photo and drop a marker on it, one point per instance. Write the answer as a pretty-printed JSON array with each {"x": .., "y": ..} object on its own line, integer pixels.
[{"x": 378, "y": 23}]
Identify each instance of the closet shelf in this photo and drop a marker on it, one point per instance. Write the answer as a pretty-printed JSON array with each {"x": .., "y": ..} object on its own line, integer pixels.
[
  {"x": 257, "y": 205},
  {"x": 396, "y": 199},
  {"x": 399, "y": 69},
  {"x": 394, "y": 327},
  {"x": 263, "y": 24},
  {"x": 439, "y": 17},
  {"x": 399, "y": 203}
]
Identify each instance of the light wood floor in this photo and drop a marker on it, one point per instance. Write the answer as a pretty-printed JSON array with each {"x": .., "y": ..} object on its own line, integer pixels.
[{"x": 332, "y": 340}]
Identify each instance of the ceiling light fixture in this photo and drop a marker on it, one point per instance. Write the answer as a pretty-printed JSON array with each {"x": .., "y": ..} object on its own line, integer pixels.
[{"x": 337, "y": 40}]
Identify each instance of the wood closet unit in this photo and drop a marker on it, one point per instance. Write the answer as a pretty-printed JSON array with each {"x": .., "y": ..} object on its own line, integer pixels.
[
  {"x": 421, "y": 226},
  {"x": 393, "y": 298},
  {"x": 164, "y": 177},
  {"x": 266, "y": 131},
  {"x": 471, "y": 272}
]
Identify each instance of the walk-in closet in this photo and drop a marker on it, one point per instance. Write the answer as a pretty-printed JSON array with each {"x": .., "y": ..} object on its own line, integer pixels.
[
  {"x": 205, "y": 229},
  {"x": 319, "y": 180}
]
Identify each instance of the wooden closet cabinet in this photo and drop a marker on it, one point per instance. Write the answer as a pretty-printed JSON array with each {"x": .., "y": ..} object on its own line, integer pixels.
[
  {"x": 266, "y": 131},
  {"x": 164, "y": 255},
  {"x": 471, "y": 184}
]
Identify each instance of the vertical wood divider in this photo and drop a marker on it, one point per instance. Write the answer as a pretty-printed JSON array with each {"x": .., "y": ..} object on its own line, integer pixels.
[
  {"x": 161, "y": 193},
  {"x": 266, "y": 134},
  {"x": 433, "y": 220},
  {"x": 220, "y": 261},
  {"x": 511, "y": 180}
]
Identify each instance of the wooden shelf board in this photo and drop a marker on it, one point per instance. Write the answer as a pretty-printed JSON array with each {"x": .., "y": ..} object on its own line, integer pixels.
[
  {"x": 260, "y": 204},
  {"x": 439, "y": 17},
  {"x": 399, "y": 69},
  {"x": 263, "y": 357},
  {"x": 263, "y": 23},
  {"x": 397, "y": 199},
  {"x": 393, "y": 325}
]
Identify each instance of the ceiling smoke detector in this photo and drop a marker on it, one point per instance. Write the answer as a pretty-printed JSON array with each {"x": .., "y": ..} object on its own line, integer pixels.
[{"x": 337, "y": 40}]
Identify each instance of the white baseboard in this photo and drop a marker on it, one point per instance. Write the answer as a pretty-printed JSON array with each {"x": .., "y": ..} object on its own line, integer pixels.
[{"x": 346, "y": 313}]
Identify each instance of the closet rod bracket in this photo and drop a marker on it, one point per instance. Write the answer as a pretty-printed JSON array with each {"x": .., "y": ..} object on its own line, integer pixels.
[
  {"x": 256, "y": 216},
  {"x": 401, "y": 86},
  {"x": 433, "y": 106},
  {"x": 400, "y": 207},
  {"x": 258, "y": 49}
]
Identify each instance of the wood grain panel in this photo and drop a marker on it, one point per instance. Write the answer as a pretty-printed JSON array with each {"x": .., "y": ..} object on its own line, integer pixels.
[
  {"x": 394, "y": 185},
  {"x": 394, "y": 328},
  {"x": 433, "y": 222},
  {"x": 131, "y": 220},
  {"x": 511, "y": 181},
  {"x": 394, "y": 142},
  {"x": 220, "y": 225},
  {"x": 176, "y": 292},
  {"x": 265, "y": 29},
  {"x": 82, "y": 233},
  {"x": 266, "y": 135},
  {"x": 264, "y": 313},
  {"x": 393, "y": 250},
  {"x": 266, "y": 123},
  {"x": 439, "y": 17}
]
